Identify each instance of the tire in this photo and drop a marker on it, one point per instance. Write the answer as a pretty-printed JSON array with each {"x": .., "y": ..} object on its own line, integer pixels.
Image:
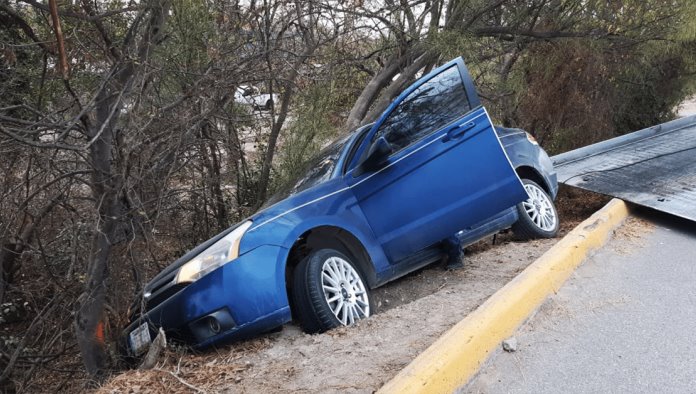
[
  {"x": 317, "y": 307},
  {"x": 538, "y": 217},
  {"x": 268, "y": 105}
]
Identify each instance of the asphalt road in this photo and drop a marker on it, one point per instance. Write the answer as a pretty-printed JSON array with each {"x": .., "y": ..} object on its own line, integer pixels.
[{"x": 625, "y": 322}]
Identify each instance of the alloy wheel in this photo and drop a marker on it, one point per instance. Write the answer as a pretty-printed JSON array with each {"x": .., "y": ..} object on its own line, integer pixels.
[
  {"x": 539, "y": 208},
  {"x": 344, "y": 291}
]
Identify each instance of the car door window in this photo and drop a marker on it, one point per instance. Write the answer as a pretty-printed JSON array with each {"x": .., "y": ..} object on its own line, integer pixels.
[{"x": 434, "y": 104}]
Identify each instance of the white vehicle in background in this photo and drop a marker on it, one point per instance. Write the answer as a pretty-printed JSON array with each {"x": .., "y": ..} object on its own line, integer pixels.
[{"x": 251, "y": 95}]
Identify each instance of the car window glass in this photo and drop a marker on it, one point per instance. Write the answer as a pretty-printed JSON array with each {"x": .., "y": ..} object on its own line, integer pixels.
[
  {"x": 362, "y": 131},
  {"x": 433, "y": 105},
  {"x": 318, "y": 171},
  {"x": 313, "y": 172}
]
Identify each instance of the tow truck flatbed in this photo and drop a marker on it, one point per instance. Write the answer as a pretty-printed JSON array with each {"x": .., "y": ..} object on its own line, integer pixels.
[{"x": 653, "y": 167}]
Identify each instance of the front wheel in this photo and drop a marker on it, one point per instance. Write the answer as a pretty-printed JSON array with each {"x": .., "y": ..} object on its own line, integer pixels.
[
  {"x": 329, "y": 291},
  {"x": 538, "y": 217}
]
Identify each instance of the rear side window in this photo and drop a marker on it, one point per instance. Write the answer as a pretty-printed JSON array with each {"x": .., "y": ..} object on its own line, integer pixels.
[{"x": 430, "y": 107}]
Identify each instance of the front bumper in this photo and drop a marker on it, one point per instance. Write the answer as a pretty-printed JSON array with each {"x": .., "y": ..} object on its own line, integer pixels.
[{"x": 246, "y": 296}]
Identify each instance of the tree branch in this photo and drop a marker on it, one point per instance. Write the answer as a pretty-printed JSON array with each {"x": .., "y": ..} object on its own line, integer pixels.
[
  {"x": 500, "y": 31},
  {"x": 83, "y": 17},
  {"x": 19, "y": 21},
  {"x": 64, "y": 68}
]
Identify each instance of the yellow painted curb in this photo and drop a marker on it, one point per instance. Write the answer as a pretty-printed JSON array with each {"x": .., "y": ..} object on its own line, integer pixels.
[{"x": 457, "y": 355}]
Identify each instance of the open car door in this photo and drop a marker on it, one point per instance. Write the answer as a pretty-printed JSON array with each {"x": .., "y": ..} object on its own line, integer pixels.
[{"x": 446, "y": 171}]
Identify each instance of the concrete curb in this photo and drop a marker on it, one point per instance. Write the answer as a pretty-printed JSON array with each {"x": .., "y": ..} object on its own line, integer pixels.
[{"x": 457, "y": 355}]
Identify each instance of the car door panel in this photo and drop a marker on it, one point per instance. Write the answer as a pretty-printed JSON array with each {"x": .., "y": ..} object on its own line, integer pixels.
[
  {"x": 443, "y": 182},
  {"x": 433, "y": 191}
]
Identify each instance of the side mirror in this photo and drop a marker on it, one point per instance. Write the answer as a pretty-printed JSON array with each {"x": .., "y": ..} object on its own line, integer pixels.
[{"x": 376, "y": 157}]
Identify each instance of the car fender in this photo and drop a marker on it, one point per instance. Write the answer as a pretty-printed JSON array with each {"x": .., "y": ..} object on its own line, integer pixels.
[
  {"x": 283, "y": 225},
  {"x": 525, "y": 155},
  {"x": 290, "y": 233}
]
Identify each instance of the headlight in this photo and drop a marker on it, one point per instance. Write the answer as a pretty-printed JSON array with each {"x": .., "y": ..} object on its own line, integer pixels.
[
  {"x": 218, "y": 254},
  {"x": 531, "y": 139}
]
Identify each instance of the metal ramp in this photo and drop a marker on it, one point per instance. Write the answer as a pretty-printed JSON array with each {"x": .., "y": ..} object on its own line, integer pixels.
[{"x": 654, "y": 167}]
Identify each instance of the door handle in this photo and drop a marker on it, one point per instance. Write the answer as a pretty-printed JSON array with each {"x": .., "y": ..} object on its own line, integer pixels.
[{"x": 457, "y": 131}]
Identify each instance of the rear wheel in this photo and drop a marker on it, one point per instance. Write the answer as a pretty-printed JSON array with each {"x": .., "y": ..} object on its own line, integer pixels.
[
  {"x": 329, "y": 291},
  {"x": 538, "y": 217}
]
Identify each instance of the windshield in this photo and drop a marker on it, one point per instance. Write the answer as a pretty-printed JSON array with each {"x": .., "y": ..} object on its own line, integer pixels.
[{"x": 315, "y": 171}]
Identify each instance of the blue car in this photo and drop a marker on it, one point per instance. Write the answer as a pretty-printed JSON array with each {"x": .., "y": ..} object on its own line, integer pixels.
[{"x": 371, "y": 207}]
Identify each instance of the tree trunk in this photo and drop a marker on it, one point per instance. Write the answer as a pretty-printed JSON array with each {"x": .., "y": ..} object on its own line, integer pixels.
[
  {"x": 370, "y": 93},
  {"x": 106, "y": 187},
  {"x": 213, "y": 182},
  {"x": 406, "y": 77},
  {"x": 278, "y": 125},
  {"x": 8, "y": 255},
  {"x": 507, "y": 106},
  {"x": 216, "y": 186},
  {"x": 90, "y": 305},
  {"x": 91, "y": 302}
]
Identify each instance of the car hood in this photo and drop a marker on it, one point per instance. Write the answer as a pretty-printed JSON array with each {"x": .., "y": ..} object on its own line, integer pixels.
[{"x": 297, "y": 200}]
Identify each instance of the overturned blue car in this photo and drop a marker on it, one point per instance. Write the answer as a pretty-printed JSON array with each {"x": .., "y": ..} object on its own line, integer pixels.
[{"x": 371, "y": 207}]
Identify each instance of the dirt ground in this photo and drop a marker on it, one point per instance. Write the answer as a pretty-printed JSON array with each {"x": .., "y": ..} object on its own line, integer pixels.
[{"x": 411, "y": 313}]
